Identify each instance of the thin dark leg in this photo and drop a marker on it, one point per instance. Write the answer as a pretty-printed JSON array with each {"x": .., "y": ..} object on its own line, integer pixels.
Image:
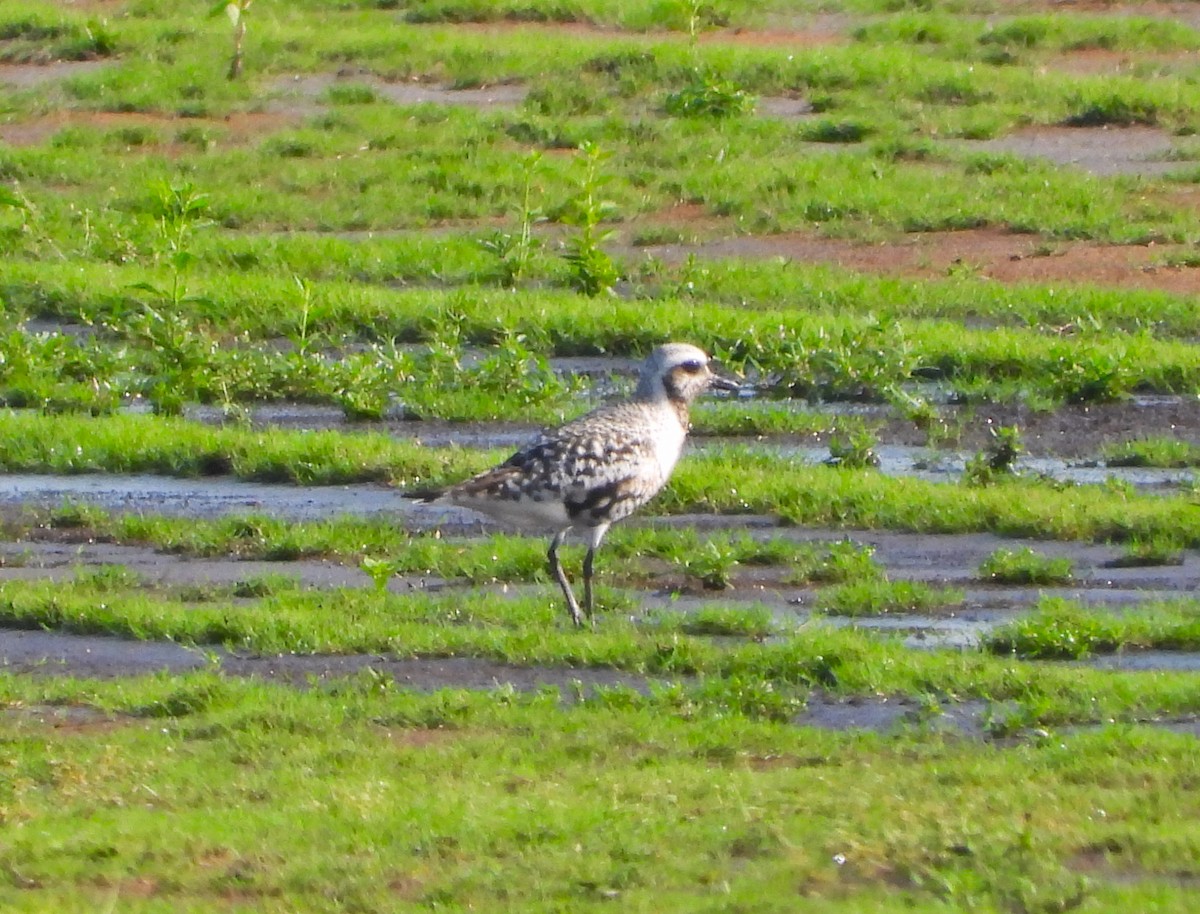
[
  {"x": 588, "y": 605},
  {"x": 556, "y": 569}
]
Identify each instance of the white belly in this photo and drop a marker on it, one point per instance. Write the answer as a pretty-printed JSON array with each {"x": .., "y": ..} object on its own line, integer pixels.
[
  {"x": 668, "y": 446},
  {"x": 526, "y": 514}
]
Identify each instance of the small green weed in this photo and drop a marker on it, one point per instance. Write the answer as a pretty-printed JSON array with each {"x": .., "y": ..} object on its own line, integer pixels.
[
  {"x": 754, "y": 622},
  {"x": 265, "y": 585},
  {"x": 707, "y": 95},
  {"x": 380, "y": 571},
  {"x": 879, "y": 597},
  {"x": 998, "y": 460},
  {"x": 1024, "y": 566},
  {"x": 1152, "y": 452},
  {"x": 591, "y": 270},
  {"x": 853, "y": 449},
  {"x": 842, "y": 562},
  {"x": 1149, "y": 551},
  {"x": 1057, "y": 630}
]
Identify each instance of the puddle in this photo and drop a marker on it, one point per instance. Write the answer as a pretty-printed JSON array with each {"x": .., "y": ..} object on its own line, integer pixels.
[
  {"x": 92, "y": 655},
  {"x": 1156, "y": 661},
  {"x": 948, "y": 466},
  {"x": 103, "y": 657},
  {"x": 216, "y": 497},
  {"x": 783, "y": 107},
  {"x": 1102, "y": 151},
  {"x": 888, "y": 715}
]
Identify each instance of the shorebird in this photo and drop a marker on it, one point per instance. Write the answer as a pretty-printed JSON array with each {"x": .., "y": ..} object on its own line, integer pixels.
[{"x": 599, "y": 468}]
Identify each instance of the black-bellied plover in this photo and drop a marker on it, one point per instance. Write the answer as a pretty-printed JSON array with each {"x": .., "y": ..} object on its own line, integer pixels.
[{"x": 600, "y": 468}]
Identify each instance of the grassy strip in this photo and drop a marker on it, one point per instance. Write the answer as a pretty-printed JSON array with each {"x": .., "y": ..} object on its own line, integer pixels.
[
  {"x": 1064, "y": 630},
  {"x": 835, "y": 355},
  {"x": 534, "y": 631},
  {"x": 724, "y": 480},
  {"x": 240, "y": 266},
  {"x": 385, "y": 549}
]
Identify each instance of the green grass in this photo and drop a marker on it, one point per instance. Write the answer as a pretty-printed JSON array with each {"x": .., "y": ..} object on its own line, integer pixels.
[
  {"x": 790, "y": 490},
  {"x": 1025, "y": 566},
  {"x": 312, "y": 266},
  {"x": 1153, "y": 452},
  {"x": 1061, "y": 629},
  {"x": 880, "y": 597},
  {"x": 375, "y": 797}
]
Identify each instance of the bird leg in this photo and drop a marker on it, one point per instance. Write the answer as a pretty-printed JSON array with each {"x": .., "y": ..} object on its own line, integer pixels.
[
  {"x": 556, "y": 569},
  {"x": 588, "y": 604}
]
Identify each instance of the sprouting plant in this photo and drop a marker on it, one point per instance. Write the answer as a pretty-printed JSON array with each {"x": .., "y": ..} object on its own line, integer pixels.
[
  {"x": 591, "y": 270},
  {"x": 878, "y": 597},
  {"x": 380, "y": 571},
  {"x": 712, "y": 565},
  {"x": 301, "y": 333},
  {"x": 999, "y": 459},
  {"x": 844, "y": 561},
  {"x": 236, "y": 11},
  {"x": 1056, "y": 630},
  {"x": 854, "y": 449},
  {"x": 366, "y": 382},
  {"x": 921, "y": 412},
  {"x": 705, "y": 94},
  {"x": 179, "y": 210},
  {"x": 516, "y": 251}
]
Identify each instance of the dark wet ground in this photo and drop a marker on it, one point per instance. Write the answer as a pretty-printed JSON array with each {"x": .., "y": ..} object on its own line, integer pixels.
[
  {"x": 1065, "y": 444},
  {"x": 1075, "y": 432}
]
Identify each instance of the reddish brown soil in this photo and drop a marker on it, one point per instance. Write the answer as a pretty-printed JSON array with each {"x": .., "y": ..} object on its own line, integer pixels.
[
  {"x": 992, "y": 253},
  {"x": 1104, "y": 62}
]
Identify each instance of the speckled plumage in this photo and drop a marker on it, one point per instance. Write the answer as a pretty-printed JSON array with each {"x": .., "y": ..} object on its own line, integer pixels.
[{"x": 600, "y": 468}]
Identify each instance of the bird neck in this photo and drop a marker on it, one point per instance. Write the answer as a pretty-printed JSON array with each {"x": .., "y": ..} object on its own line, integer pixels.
[
  {"x": 663, "y": 392},
  {"x": 680, "y": 407}
]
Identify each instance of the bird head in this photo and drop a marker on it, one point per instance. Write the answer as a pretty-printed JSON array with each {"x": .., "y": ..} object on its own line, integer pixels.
[{"x": 680, "y": 372}]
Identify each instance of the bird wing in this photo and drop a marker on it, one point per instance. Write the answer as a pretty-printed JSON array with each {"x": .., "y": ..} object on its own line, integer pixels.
[{"x": 600, "y": 471}]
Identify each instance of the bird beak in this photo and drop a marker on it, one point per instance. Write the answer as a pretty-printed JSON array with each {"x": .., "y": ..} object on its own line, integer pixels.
[{"x": 716, "y": 382}]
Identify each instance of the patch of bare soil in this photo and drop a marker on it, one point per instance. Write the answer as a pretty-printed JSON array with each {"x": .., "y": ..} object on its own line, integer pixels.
[
  {"x": 1076, "y": 432},
  {"x": 1149, "y": 8},
  {"x": 988, "y": 252},
  {"x": 1106, "y": 62}
]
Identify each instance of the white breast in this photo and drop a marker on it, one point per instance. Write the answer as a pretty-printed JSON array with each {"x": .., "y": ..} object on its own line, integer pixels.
[{"x": 668, "y": 443}]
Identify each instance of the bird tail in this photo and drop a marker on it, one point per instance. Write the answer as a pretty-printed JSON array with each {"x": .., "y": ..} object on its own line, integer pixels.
[{"x": 426, "y": 496}]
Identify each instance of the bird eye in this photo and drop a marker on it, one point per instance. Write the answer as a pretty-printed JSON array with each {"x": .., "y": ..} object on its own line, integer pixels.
[{"x": 692, "y": 366}]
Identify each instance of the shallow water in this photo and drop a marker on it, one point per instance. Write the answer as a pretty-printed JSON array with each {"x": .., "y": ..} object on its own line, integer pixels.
[
  {"x": 1163, "y": 661},
  {"x": 945, "y": 466},
  {"x": 209, "y": 497}
]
